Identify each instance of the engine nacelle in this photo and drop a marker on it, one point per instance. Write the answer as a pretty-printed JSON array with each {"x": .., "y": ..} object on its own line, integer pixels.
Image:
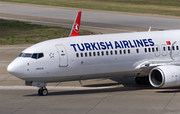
[{"x": 165, "y": 76}]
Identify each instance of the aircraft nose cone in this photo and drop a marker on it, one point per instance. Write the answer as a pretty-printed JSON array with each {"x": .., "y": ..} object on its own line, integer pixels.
[{"x": 16, "y": 67}]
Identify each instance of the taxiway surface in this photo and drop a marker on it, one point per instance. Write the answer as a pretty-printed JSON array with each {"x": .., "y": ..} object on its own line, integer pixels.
[
  {"x": 93, "y": 20},
  {"x": 99, "y": 96}
]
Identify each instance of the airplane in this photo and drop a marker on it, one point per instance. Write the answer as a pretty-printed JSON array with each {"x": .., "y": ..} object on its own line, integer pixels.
[{"x": 151, "y": 57}]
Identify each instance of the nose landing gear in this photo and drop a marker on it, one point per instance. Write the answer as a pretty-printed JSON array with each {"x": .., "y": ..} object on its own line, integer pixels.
[
  {"x": 42, "y": 87},
  {"x": 43, "y": 91}
]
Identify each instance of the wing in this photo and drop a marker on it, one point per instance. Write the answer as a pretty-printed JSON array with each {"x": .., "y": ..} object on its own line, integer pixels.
[{"x": 147, "y": 66}]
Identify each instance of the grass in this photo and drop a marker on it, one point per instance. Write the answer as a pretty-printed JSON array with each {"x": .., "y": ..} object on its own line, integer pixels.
[
  {"x": 16, "y": 32},
  {"x": 165, "y": 7}
]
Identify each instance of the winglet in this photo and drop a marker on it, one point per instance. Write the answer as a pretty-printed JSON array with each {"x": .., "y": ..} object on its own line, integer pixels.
[{"x": 76, "y": 25}]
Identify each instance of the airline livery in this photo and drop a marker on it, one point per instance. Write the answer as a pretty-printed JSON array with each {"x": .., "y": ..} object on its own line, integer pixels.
[{"x": 151, "y": 56}]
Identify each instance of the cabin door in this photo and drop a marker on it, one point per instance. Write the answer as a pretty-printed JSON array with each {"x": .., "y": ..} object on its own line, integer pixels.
[{"x": 63, "y": 58}]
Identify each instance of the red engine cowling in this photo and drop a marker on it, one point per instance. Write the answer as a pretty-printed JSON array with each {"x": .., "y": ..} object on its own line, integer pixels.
[{"x": 165, "y": 76}]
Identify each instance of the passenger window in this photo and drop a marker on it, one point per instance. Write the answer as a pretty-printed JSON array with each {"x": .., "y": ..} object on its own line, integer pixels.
[
  {"x": 102, "y": 53},
  {"x": 98, "y": 53},
  {"x": 85, "y": 54},
  {"x": 107, "y": 53},
  {"x": 40, "y": 55},
  {"x": 169, "y": 48},
  {"x": 152, "y": 49},
  {"x": 120, "y": 51},
  {"x": 149, "y": 49},
  {"x": 173, "y": 47},
  {"x": 124, "y": 51},
  {"x": 164, "y": 48},
  {"x": 137, "y": 50},
  {"x": 81, "y": 54},
  {"x": 90, "y": 54},
  {"x": 177, "y": 48},
  {"x": 77, "y": 54},
  {"x": 128, "y": 50},
  {"x": 145, "y": 49},
  {"x": 116, "y": 52},
  {"x": 111, "y": 52},
  {"x": 156, "y": 48},
  {"x": 94, "y": 53},
  {"x": 34, "y": 56}
]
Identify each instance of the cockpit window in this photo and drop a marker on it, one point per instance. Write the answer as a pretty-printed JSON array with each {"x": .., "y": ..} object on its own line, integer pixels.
[
  {"x": 20, "y": 54},
  {"x": 37, "y": 55},
  {"x": 26, "y": 55},
  {"x": 32, "y": 55},
  {"x": 40, "y": 55}
]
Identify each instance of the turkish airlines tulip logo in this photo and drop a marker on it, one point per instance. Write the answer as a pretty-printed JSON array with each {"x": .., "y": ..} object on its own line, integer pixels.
[{"x": 76, "y": 28}]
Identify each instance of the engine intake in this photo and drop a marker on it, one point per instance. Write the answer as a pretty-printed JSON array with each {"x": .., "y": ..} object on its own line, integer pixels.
[{"x": 165, "y": 76}]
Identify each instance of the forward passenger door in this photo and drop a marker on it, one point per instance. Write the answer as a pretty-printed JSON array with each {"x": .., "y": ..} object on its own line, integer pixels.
[{"x": 63, "y": 57}]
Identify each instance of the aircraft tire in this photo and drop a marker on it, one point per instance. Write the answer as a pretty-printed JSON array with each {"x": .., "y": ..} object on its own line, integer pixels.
[
  {"x": 138, "y": 80},
  {"x": 146, "y": 81},
  {"x": 40, "y": 92},
  {"x": 44, "y": 92},
  {"x": 142, "y": 80}
]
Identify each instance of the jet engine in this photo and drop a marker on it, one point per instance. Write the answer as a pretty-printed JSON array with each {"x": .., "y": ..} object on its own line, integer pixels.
[{"x": 165, "y": 76}]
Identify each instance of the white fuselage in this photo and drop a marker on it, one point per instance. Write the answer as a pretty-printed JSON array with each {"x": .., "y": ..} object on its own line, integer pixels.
[{"x": 80, "y": 57}]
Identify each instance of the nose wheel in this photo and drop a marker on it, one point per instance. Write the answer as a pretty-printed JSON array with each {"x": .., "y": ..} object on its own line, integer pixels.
[{"x": 42, "y": 91}]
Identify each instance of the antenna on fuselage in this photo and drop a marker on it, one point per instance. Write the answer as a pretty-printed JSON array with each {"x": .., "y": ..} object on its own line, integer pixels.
[
  {"x": 76, "y": 25},
  {"x": 149, "y": 29},
  {"x": 80, "y": 82}
]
